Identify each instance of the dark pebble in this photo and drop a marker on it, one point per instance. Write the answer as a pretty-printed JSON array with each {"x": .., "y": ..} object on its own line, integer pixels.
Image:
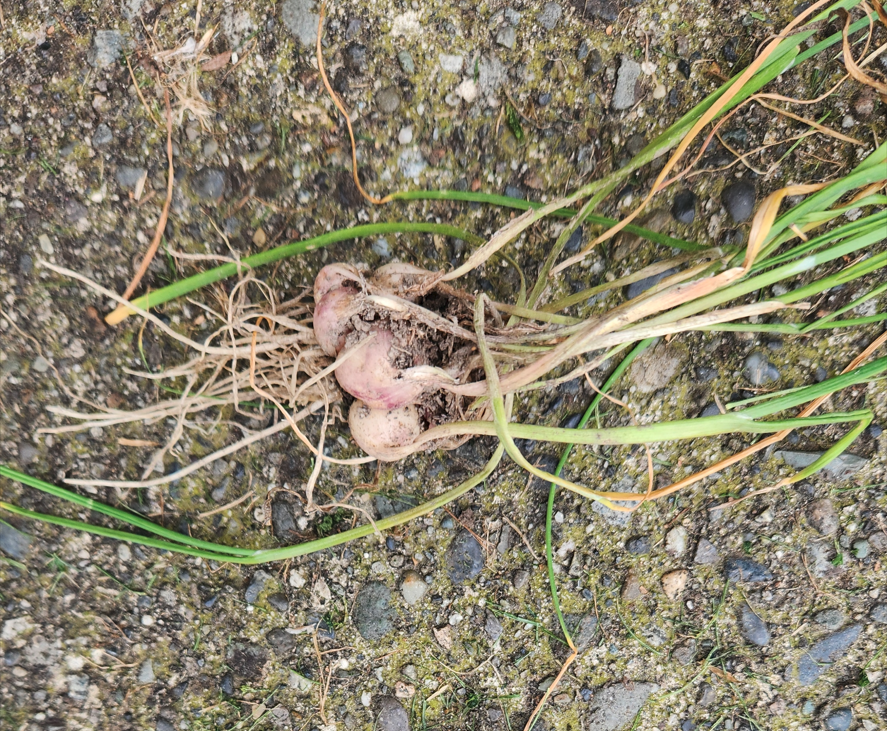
[
  {"x": 638, "y": 545},
  {"x": 279, "y": 602},
  {"x": 575, "y": 241},
  {"x": 683, "y": 209},
  {"x": 281, "y": 641},
  {"x": 372, "y": 614},
  {"x": 818, "y": 658},
  {"x": 882, "y": 692},
  {"x": 13, "y": 542},
  {"x": 839, "y": 719},
  {"x": 730, "y": 55},
  {"x": 283, "y": 520},
  {"x": 392, "y": 716},
  {"x": 753, "y": 628},
  {"x": 738, "y": 568},
  {"x": 684, "y": 67},
  {"x": 209, "y": 184},
  {"x": 739, "y": 200},
  {"x": 636, "y": 288},
  {"x": 464, "y": 558}
]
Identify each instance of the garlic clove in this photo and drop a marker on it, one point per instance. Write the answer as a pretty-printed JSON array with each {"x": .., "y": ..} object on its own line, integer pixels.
[
  {"x": 382, "y": 433},
  {"x": 370, "y": 375}
]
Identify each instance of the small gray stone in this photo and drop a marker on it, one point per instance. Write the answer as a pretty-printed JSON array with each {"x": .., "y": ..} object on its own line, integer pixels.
[
  {"x": 685, "y": 653},
  {"x": 75, "y": 211},
  {"x": 656, "y": 368},
  {"x": 78, "y": 688},
  {"x": 413, "y": 587},
  {"x": 260, "y": 578},
  {"x": 279, "y": 602},
  {"x": 879, "y": 613},
  {"x": 624, "y": 94},
  {"x": 491, "y": 74},
  {"x": 861, "y": 548},
  {"x": 753, "y": 628},
  {"x": 818, "y": 658},
  {"x": 493, "y": 627},
  {"x": 146, "y": 672},
  {"x": 102, "y": 136},
  {"x": 107, "y": 46},
  {"x": 372, "y": 614},
  {"x": 388, "y": 100},
  {"x": 40, "y": 364},
  {"x": 464, "y": 558},
  {"x": 616, "y": 704},
  {"x": 13, "y": 542},
  {"x": 521, "y": 578},
  {"x": 819, "y": 557},
  {"x": 27, "y": 453},
  {"x": 840, "y": 468},
  {"x": 209, "y": 184},
  {"x": 706, "y": 553},
  {"x": 381, "y": 247},
  {"x": 584, "y": 631},
  {"x": 130, "y": 8},
  {"x": 638, "y": 545},
  {"x": 830, "y": 618},
  {"x": 707, "y": 695},
  {"x": 281, "y": 642},
  {"x": 839, "y": 719},
  {"x": 739, "y": 200},
  {"x": 406, "y": 62},
  {"x": 738, "y": 568},
  {"x": 300, "y": 20},
  {"x": 451, "y": 63},
  {"x": 759, "y": 371},
  {"x": 507, "y": 36},
  {"x": 550, "y": 15},
  {"x": 392, "y": 716},
  {"x": 411, "y": 163},
  {"x": 821, "y": 513},
  {"x": 594, "y": 64},
  {"x": 128, "y": 176},
  {"x": 882, "y": 692},
  {"x": 512, "y": 16},
  {"x": 164, "y": 725}
]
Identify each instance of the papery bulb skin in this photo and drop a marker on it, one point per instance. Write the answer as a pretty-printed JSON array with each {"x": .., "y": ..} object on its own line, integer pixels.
[
  {"x": 398, "y": 278},
  {"x": 332, "y": 315},
  {"x": 333, "y": 276}
]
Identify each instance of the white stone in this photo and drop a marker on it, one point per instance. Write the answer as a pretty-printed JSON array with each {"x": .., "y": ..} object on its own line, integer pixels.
[
  {"x": 467, "y": 91},
  {"x": 676, "y": 540},
  {"x": 12, "y": 628},
  {"x": 45, "y": 244},
  {"x": 405, "y": 136},
  {"x": 296, "y": 580},
  {"x": 451, "y": 63}
]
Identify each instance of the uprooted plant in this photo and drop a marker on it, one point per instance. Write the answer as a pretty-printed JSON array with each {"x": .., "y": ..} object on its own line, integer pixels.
[{"x": 418, "y": 362}]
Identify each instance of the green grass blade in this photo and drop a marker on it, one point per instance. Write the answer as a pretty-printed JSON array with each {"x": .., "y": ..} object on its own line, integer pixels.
[
  {"x": 122, "y": 515},
  {"x": 189, "y": 284}
]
